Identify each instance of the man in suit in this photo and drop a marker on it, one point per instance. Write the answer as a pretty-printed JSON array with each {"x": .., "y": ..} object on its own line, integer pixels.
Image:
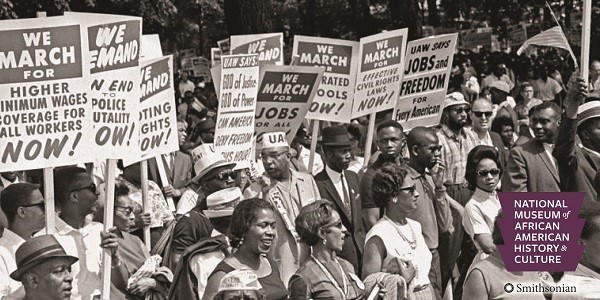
[
  {"x": 289, "y": 192},
  {"x": 481, "y": 113},
  {"x": 579, "y": 162},
  {"x": 6, "y": 179},
  {"x": 531, "y": 166},
  {"x": 340, "y": 186},
  {"x": 178, "y": 165}
]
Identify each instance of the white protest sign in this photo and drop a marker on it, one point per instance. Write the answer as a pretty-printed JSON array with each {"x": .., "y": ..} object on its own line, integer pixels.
[
  {"x": 225, "y": 46},
  {"x": 202, "y": 151},
  {"x": 284, "y": 96},
  {"x": 268, "y": 46},
  {"x": 112, "y": 52},
  {"x": 379, "y": 72},
  {"x": 157, "y": 113},
  {"x": 44, "y": 102},
  {"x": 215, "y": 57},
  {"x": 333, "y": 101},
  {"x": 237, "y": 104},
  {"x": 425, "y": 81},
  {"x": 150, "y": 47}
]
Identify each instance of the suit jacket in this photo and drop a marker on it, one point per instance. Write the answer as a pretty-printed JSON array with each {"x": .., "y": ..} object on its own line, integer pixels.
[
  {"x": 577, "y": 166},
  {"x": 179, "y": 176},
  {"x": 524, "y": 138},
  {"x": 287, "y": 251},
  {"x": 353, "y": 248},
  {"x": 531, "y": 170}
]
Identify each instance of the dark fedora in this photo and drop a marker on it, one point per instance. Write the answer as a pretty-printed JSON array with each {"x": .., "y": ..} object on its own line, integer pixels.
[
  {"x": 36, "y": 251},
  {"x": 336, "y": 136}
]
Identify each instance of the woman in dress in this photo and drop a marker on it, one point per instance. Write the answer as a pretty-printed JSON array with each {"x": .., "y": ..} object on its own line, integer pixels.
[
  {"x": 483, "y": 172},
  {"x": 488, "y": 278},
  {"x": 395, "y": 244},
  {"x": 252, "y": 233},
  {"x": 324, "y": 276},
  {"x": 133, "y": 253}
]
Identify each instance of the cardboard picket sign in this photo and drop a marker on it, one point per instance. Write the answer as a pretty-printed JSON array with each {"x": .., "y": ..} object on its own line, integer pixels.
[
  {"x": 284, "y": 96},
  {"x": 268, "y": 46},
  {"x": 333, "y": 101},
  {"x": 215, "y": 73},
  {"x": 112, "y": 53},
  {"x": 237, "y": 104},
  {"x": 150, "y": 47},
  {"x": 425, "y": 81},
  {"x": 215, "y": 57},
  {"x": 379, "y": 72},
  {"x": 157, "y": 120},
  {"x": 225, "y": 46},
  {"x": 44, "y": 103}
]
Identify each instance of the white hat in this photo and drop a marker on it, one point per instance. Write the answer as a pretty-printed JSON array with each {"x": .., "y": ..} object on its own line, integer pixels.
[
  {"x": 588, "y": 110},
  {"x": 240, "y": 280},
  {"x": 273, "y": 140},
  {"x": 208, "y": 160},
  {"x": 221, "y": 203},
  {"x": 454, "y": 98}
]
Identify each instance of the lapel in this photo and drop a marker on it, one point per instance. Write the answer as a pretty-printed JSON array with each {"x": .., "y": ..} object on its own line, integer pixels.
[
  {"x": 335, "y": 196},
  {"x": 546, "y": 159}
]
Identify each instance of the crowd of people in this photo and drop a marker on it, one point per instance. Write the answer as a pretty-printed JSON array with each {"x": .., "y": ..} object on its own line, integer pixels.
[{"x": 417, "y": 220}]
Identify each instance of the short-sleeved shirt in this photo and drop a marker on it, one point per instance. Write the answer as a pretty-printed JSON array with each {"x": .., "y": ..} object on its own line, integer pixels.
[
  {"x": 9, "y": 242},
  {"x": 191, "y": 228},
  {"x": 480, "y": 213},
  {"x": 546, "y": 90},
  {"x": 455, "y": 149}
]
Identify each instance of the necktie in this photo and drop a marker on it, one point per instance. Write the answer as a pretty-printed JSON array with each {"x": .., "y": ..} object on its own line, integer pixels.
[{"x": 346, "y": 196}]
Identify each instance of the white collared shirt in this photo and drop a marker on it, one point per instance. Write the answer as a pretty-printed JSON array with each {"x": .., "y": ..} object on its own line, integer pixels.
[
  {"x": 9, "y": 242},
  {"x": 85, "y": 244},
  {"x": 336, "y": 179},
  {"x": 6, "y": 183},
  {"x": 548, "y": 149},
  {"x": 304, "y": 157}
]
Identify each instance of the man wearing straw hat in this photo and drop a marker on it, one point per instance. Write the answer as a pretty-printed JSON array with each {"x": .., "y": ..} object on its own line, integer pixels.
[
  {"x": 213, "y": 173},
  {"x": 23, "y": 205},
  {"x": 289, "y": 192},
  {"x": 44, "y": 268},
  {"x": 579, "y": 162}
]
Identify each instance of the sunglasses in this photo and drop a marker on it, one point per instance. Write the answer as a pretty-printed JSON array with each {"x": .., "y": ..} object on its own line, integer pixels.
[
  {"x": 480, "y": 114},
  {"x": 92, "y": 188},
  {"x": 127, "y": 210},
  {"x": 410, "y": 189},
  {"x": 225, "y": 175},
  {"x": 460, "y": 110},
  {"x": 484, "y": 173}
]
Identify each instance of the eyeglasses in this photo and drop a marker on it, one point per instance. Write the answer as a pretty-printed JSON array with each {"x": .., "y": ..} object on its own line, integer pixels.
[
  {"x": 266, "y": 157},
  {"x": 225, "y": 175},
  {"x": 460, "y": 110},
  {"x": 92, "y": 188},
  {"x": 484, "y": 173},
  {"x": 410, "y": 189},
  {"x": 127, "y": 209},
  {"x": 40, "y": 204},
  {"x": 480, "y": 114}
]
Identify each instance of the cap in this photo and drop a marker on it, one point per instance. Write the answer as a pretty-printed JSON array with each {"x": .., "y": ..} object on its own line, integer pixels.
[
  {"x": 454, "y": 98},
  {"x": 208, "y": 160},
  {"x": 273, "y": 140},
  {"x": 221, "y": 203},
  {"x": 240, "y": 280},
  {"x": 588, "y": 110}
]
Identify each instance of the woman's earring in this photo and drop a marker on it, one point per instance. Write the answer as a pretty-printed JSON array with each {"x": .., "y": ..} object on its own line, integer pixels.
[
  {"x": 241, "y": 242},
  {"x": 324, "y": 242},
  {"x": 395, "y": 199}
]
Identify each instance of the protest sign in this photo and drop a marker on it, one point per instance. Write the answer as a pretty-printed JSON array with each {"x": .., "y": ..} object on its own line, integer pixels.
[
  {"x": 476, "y": 38},
  {"x": 225, "y": 46},
  {"x": 44, "y": 103},
  {"x": 157, "y": 113},
  {"x": 380, "y": 71},
  {"x": 517, "y": 35},
  {"x": 201, "y": 151},
  {"x": 150, "y": 47},
  {"x": 215, "y": 74},
  {"x": 268, "y": 46},
  {"x": 196, "y": 66},
  {"x": 237, "y": 103},
  {"x": 187, "y": 53},
  {"x": 112, "y": 45},
  {"x": 283, "y": 98},
  {"x": 333, "y": 101},
  {"x": 215, "y": 57},
  {"x": 425, "y": 81}
]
